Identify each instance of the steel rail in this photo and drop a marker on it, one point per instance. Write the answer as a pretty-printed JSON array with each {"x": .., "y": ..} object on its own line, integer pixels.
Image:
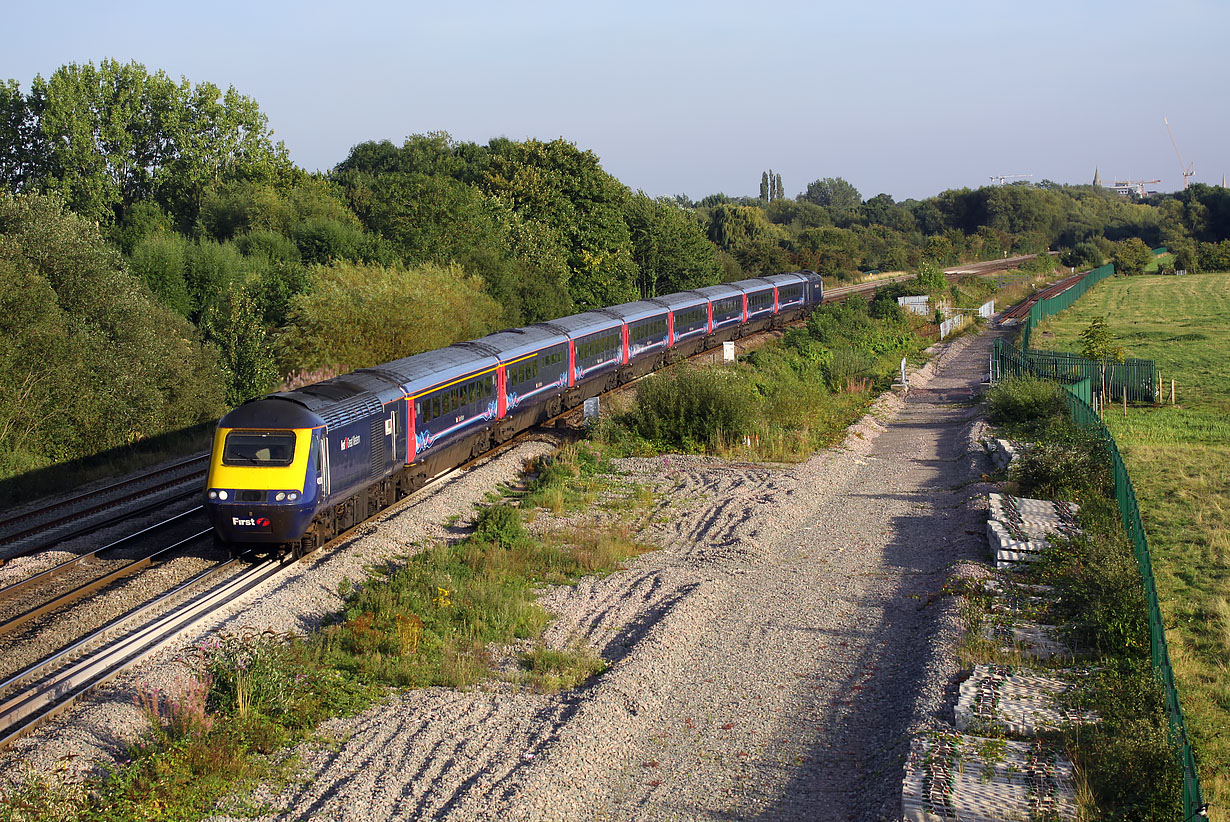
[
  {"x": 97, "y": 492},
  {"x": 55, "y": 692},
  {"x": 18, "y": 536},
  {"x": 17, "y": 587},
  {"x": 82, "y": 591}
]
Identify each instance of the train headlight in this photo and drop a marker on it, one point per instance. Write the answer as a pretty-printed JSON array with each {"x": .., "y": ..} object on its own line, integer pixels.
[
  {"x": 279, "y": 496},
  {"x": 213, "y": 494},
  {"x": 292, "y": 496},
  {"x": 223, "y": 495}
]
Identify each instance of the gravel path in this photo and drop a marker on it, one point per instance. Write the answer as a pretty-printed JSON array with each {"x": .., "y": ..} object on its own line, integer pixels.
[{"x": 768, "y": 663}]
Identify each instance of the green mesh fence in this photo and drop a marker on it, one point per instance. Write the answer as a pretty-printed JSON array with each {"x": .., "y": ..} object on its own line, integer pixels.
[
  {"x": 1129, "y": 513},
  {"x": 1007, "y": 361},
  {"x": 1053, "y": 305},
  {"x": 1108, "y": 379}
]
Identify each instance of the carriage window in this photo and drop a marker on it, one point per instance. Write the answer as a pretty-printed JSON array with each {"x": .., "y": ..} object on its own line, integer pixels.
[{"x": 260, "y": 448}]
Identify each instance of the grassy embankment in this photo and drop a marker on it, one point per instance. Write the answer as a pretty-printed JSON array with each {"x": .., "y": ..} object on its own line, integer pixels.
[{"x": 1179, "y": 460}]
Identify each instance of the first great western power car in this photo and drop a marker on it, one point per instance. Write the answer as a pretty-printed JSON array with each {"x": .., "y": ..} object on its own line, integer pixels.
[{"x": 293, "y": 469}]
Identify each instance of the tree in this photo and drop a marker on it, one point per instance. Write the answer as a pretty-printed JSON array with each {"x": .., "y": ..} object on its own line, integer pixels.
[
  {"x": 931, "y": 278},
  {"x": 1131, "y": 256},
  {"x": 1098, "y": 343},
  {"x": 22, "y": 149},
  {"x": 938, "y": 249},
  {"x": 107, "y": 137},
  {"x": 764, "y": 186},
  {"x": 780, "y": 192},
  {"x": 670, "y": 250},
  {"x": 558, "y": 184},
  {"x": 833, "y": 192},
  {"x": 359, "y": 315},
  {"x": 234, "y": 324},
  {"x": 91, "y": 359}
]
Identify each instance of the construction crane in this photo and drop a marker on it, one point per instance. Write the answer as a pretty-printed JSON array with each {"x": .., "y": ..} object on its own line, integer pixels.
[
  {"x": 1188, "y": 170},
  {"x": 1002, "y": 177}
]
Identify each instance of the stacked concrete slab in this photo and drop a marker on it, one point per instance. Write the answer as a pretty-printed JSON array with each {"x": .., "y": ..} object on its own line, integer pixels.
[
  {"x": 955, "y": 777},
  {"x": 1018, "y": 527},
  {"x": 1019, "y": 701},
  {"x": 1003, "y": 452}
]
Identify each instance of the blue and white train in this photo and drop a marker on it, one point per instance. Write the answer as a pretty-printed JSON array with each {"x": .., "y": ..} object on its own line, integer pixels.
[{"x": 294, "y": 469}]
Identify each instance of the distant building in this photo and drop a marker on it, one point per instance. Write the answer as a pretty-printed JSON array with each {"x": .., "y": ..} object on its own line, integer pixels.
[{"x": 1097, "y": 178}]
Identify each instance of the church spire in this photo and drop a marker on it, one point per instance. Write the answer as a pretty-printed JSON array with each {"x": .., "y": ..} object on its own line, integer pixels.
[{"x": 1097, "y": 178}]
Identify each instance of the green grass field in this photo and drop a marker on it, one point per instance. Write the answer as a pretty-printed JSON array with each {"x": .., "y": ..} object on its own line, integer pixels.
[{"x": 1179, "y": 460}]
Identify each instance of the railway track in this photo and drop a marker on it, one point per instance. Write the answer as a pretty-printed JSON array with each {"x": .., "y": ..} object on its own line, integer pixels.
[
  {"x": 111, "y": 571},
  {"x": 47, "y": 688},
  {"x": 1021, "y": 309},
  {"x": 88, "y": 512}
]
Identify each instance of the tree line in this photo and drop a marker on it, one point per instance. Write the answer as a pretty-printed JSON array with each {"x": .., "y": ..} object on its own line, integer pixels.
[{"x": 161, "y": 258}]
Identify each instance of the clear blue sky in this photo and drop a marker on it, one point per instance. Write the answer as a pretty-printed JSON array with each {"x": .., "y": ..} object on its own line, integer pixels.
[{"x": 907, "y": 98}]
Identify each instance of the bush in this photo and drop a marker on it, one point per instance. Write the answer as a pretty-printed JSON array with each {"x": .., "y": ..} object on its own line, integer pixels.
[
  {"x": 322, "y": 241},
  {"x": 499, "y": 524},
  {"x": 1025, "y": 405},
  {"x": 693, "y": 408},
  {"x": 160, "y": 261},
  {"x": 1066, "y": 466},
  {"x": 363, "y": 315}
]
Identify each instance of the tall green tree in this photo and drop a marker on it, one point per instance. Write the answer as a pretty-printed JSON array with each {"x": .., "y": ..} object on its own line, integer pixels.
[
  {"x": 833, "y": 192},
  {"x": 567, "y": 189},
  {"x": 670, "y": 250},
  {"x": 107, "y": 137},
  {"x": 91, "y": 359},
  {"x": 1131, "y": 256},
  {"x": 764, "y": 186}
]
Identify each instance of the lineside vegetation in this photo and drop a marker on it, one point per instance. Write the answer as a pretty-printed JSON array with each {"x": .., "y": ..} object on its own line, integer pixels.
[
  {"x": 430, "y": 619},
  {"x": 1126, "y": 765},
  {"x": 1179, "y": 459}
]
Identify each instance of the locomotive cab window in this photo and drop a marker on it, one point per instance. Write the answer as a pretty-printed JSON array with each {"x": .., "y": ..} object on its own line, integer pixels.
[{"x": 260, "y": 448}]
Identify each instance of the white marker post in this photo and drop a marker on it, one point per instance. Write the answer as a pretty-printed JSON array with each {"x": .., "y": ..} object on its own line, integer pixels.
[{"x": 728, "y": 352}]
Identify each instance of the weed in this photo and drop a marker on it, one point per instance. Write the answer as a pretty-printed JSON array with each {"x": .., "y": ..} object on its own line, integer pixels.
[
  {"x": 499, "y": 524},
  {"x": 549, "y": 670}
]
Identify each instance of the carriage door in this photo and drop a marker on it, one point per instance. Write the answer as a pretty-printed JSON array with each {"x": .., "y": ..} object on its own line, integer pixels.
[{"x": 324, "y": 464}]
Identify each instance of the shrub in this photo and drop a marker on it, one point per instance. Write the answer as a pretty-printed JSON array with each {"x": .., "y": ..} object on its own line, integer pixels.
[
  {"x": 363, "y": 315},
  {"x": 499, "y": 524},
  {"x": 160, "y": 260},
  {"x": 1064, "y": 467},
  {"x": 693, "y": 407},
  {"x": 1025, "y": 404}
]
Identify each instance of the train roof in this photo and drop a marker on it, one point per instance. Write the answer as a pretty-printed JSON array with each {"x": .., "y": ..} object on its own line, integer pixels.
[
  {"x": 274, "y": 411},
  {"x": 682, "y": 299},
  {"x": 335, "y": 402},
  {"x": 579, "y": 325},
  {"x": 717, "y": 292},
  {"x": 420, "y": 372},
  {"x": 518, "y": 342},
  {"x": 785, "y": 279},
  {"x": 639, "y": 310},
  {"x": 754, "y": 284}
]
